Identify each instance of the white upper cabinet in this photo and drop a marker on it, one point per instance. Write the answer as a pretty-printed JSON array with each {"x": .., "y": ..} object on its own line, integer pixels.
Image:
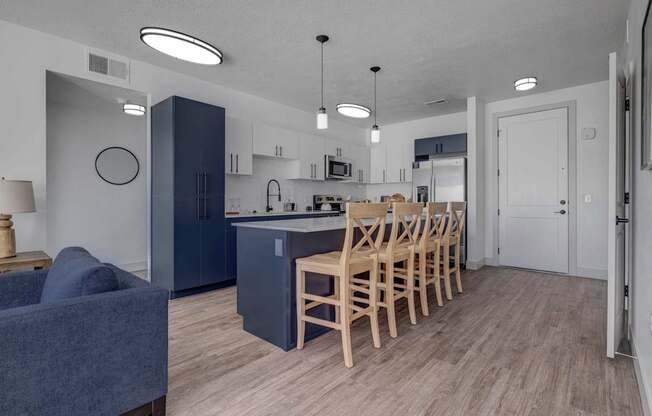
[
  {"x": 275, "y": 142},
  {"x": 339, "y": 149},
  {"x": 391, "y": 160},
  {"x": 378, "y": 173},
  {"x": 239, "y": 147},
  {"x": 310, "y": 165},
  {"x": 360, "y": 160}
]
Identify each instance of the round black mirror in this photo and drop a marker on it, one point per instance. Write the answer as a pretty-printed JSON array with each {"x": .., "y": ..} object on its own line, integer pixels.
[{"x": 117, "y": 165}]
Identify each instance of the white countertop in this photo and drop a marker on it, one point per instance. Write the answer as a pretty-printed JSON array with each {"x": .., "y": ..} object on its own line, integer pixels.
[
  {"x": 302, "y": 225},
  {"x": 278, "y": 214}
]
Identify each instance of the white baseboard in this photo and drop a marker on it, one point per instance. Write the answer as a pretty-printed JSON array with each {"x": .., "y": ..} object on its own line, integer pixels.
[
  {"x": 592, "y": 273},
  {"x": 134, "y": 267},
  {"x": 474, "y": 264},
  {"x": 643, "y": 389}
]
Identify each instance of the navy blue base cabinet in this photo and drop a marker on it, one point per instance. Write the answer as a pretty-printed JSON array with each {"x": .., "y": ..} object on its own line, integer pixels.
[
  {"x": 188, "y": 226},
  {"x": 266, "y": 282}
]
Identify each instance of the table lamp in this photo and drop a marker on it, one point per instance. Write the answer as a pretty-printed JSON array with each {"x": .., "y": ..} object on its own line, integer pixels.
[{"x": 15, "y": 197}]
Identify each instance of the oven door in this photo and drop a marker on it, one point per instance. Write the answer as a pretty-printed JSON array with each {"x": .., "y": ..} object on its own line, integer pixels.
[{"x": 338, "y": 168}]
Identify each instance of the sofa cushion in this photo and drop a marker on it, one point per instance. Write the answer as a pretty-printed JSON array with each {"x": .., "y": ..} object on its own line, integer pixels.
[{"x": 76, "y": 273}]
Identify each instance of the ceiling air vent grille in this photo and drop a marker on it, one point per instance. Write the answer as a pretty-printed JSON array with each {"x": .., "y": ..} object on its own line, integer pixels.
[{"x": 108, "y": 65}]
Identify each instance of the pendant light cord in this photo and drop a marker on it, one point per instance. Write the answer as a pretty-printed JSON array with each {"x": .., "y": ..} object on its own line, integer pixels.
[
  {"x": 322, "y": 75},
  {"x": 375, "y": 108}
]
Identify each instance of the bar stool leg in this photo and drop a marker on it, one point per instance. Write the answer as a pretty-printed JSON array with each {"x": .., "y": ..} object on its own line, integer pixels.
[
  {"x": 301, "y": 307},
  {"x": 447, "y": 272},
  {"x": 345, "y": 323},
  {"x": 336, "y": 292},
  {"x": 437, "y": 277},
  {"x": 423, "y": 285},
  {"x": 410, "y": 289},
  {"x": 373, "y": 299},
  {"x": 458, "y": 275},
  {"x": 389, "y": 299}
]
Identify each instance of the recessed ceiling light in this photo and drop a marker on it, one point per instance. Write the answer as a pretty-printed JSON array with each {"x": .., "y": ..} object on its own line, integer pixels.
[
  {"x": 181, "y": 46},
  {"x": 353, "y": 110},
  {"x": 133, "y": 109},
  {"x": 525, "y": 84}
]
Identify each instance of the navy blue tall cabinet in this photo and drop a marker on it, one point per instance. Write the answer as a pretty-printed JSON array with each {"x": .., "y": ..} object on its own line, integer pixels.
[{"x": 188, "y": 226}]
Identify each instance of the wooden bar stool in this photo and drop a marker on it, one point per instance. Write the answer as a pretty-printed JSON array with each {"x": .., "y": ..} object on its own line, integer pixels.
[
  {"x": 452, "y": 237},
  {"x": 355, "y": 258},
  {"x": 428, "y": 254},
  {"x": 406, "y": 221}
]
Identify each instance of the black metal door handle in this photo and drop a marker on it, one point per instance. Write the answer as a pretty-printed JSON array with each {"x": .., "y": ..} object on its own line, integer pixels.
[
  {"x": 562, "y": 212},
  {"x": 620, "y": 220}
]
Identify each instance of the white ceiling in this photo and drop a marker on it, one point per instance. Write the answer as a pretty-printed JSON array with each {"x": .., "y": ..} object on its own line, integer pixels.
[{"x": 427, "y": 48}]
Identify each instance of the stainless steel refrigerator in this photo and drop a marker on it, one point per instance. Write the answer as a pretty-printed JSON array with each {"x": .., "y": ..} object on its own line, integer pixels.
[{"x": 441, "y": 180}]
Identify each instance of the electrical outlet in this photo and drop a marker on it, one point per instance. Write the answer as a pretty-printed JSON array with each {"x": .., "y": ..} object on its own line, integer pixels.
[{"x": 587, "y": 198}]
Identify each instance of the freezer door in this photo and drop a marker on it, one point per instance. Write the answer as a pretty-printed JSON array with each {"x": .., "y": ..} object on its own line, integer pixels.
[
  {"x": 449, "y": 180},
  {"x": 422, "y": 181}
]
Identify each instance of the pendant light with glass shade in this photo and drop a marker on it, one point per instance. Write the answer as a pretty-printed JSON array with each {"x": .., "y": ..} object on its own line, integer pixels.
[
  {"x": 322, "y": 117},
  {"x": 375, "y": 131}
]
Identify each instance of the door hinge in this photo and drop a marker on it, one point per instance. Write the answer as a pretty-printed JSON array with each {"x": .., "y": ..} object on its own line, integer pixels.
[
  {"x": 627, "y": 104},
  {"x": 626, "y": 291},
  {"x": 498, "y": 132},
  {"x": 498, "y": 211},
  {"x": 498, "y": 172},
  {"x": 627, "y": 197},
  {"x": 498, "y": 250}
]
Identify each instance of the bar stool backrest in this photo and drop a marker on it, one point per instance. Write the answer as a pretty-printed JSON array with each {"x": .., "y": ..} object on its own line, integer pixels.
[
  {"x": 406, "y": 223},
  {"x": 456, "y": 219},
  {"x": 370, "y": 220},
  {"x": 435, "y": 222}
]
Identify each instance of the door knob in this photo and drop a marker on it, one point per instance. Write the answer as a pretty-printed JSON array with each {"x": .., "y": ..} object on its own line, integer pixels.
[
  {"x": 563, "y": 202},
  {"x": 562, "y": 212}
]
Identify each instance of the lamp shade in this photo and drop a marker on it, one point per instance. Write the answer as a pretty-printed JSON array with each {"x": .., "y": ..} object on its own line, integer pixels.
[{"x": 16, "y": 197}]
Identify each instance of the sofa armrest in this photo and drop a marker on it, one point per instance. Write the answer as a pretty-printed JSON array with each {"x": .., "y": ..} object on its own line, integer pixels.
[
  {"x": 102, "y": 354},
  {"x": 21, "y": 288}
]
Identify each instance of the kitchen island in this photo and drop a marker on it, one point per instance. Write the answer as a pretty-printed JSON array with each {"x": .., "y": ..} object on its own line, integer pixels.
[{"x": 266, "y": 253}]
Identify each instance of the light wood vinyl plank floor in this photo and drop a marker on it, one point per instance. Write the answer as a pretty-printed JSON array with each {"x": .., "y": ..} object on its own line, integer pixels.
[{"x": 515, "y": 343}]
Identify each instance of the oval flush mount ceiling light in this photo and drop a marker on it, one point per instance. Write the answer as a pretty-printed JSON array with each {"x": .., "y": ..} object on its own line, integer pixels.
[
  {"x": 525, "y": 84},
  {"x": 133, "y": 109},
  {"x": 180, "y": 46},
  {"x": 353, "y": 110}
]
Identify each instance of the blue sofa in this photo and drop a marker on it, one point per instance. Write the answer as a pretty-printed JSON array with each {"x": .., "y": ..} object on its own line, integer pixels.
[{"x": 82, "y": 338}]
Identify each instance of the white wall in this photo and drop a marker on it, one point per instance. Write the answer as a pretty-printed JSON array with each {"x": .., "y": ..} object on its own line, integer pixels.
[
  {"x": 416, "y": 129},
  {"x": 641, "y": 284},
  {"x": 109, "y": 220},
  {"x": 592, "y": 104},
  {"x": 251, "y": 190},
  {"x": 22, "y": 109},
  {"x": 475, "y": 182}
]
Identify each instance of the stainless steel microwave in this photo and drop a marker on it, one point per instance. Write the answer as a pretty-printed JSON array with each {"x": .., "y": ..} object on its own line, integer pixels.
[{"x": 337, "y": 167}]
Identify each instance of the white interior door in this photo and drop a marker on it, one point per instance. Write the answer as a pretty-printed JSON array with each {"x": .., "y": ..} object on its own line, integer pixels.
[
  {"x": 616, "y": 243},
  {"x": 533, "y": 190}
]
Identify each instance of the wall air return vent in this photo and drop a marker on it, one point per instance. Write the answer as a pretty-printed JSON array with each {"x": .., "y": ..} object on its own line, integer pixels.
[{"x": 108, "y": 65}]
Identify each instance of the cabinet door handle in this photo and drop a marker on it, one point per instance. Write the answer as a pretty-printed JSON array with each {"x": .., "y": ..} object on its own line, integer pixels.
[
  {"x": 236, "y": 163},
  {"x": 231, "y": 169},
  {"x": 275, "y": 150},
  {"x": 383, "y": 175},
  {"x": 197, "y": 213},
  {"x": 205, "y": 195},
  {"x": 281, "y": 148}
]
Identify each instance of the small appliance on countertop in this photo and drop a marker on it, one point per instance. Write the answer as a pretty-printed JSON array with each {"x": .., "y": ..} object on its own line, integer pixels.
[
  {"x": 329, "y": 203},
  {"x": 289, "y": 206}
]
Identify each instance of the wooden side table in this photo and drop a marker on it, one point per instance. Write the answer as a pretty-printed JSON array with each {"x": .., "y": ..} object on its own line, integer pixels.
[{"x": 27, "y": 260}]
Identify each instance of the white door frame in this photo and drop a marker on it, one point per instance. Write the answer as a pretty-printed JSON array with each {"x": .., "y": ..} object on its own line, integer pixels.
[{"x": 571, "y": 111}]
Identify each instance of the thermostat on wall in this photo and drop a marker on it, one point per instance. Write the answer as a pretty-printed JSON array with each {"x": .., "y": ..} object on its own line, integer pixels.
[{"x": 588, "y": 133}]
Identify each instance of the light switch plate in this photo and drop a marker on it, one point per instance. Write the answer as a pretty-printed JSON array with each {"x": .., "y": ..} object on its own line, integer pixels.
[
  {"x": 587, "y": 198},
  {"x": 278, "y": 247}
]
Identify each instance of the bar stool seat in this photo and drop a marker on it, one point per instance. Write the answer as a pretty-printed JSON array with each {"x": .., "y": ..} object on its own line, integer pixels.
[{"x": 329, "y": 263}]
